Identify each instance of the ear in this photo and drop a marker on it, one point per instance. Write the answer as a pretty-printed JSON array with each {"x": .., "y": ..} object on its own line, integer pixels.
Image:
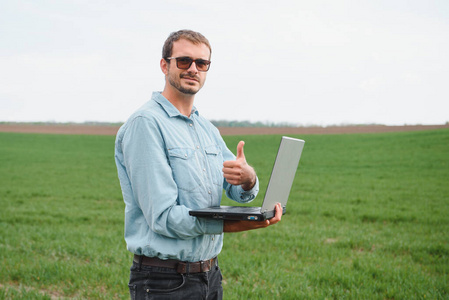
[{"x": 164, "y": 66}]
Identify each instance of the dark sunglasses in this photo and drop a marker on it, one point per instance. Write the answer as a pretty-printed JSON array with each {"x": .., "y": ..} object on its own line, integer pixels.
[{"x": 185, "y": 62}]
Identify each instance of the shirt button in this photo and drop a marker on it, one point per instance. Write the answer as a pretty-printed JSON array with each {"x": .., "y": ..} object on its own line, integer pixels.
[
  {"x": 197, "y": 147},
  {"x": 209, "y": 192},
  {"x": 204, "y": 170},
  {"x": 190, "y": 124}
]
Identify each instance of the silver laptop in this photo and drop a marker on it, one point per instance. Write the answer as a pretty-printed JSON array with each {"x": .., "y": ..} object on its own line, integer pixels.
[{"x": 278, "y": 190}]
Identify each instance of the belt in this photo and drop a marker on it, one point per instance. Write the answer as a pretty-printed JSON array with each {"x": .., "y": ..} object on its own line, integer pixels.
[{"x": 182, "y": 267}]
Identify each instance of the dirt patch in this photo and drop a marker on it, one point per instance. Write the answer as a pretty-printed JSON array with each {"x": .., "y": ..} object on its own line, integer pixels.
[
  {"x": 112, "y": 130},
  {"x": 59, "y": 128}
]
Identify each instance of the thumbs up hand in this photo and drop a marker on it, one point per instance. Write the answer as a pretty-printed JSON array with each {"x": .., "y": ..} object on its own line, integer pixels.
[{"x": 238, "y": 172}]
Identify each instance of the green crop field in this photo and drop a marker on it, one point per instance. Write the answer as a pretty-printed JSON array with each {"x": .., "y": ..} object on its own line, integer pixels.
[{"x": 368, "y": 218}]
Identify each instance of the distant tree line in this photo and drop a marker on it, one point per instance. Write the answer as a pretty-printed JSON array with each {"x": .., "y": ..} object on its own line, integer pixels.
[
  {"x": 220, "y": 123},
  {"x": 227, "y": 123}
]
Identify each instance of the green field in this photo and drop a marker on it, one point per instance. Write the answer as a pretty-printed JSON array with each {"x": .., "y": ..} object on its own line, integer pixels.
[{"x": 368, "y": 218}]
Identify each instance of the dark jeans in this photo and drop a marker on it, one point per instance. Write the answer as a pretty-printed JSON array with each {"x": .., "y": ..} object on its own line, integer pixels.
[{"x": 162, "y": 283}]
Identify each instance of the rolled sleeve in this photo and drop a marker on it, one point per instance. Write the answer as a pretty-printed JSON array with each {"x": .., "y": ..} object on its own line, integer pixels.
[{"x": 212, "y": 226}]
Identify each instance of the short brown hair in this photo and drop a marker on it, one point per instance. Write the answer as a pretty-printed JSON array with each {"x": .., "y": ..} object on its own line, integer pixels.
[{"x": 192, "y": 36}]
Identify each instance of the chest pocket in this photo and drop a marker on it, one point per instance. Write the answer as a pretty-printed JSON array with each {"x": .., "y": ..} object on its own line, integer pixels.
[
  {"x": 185, "y": 165},
  {"x": 215, "y": 163}
]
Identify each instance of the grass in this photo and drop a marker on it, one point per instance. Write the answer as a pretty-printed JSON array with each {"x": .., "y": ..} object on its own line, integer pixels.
[
  {"x": 62, "y": 217},
  {"x": 367, "y": 219}
]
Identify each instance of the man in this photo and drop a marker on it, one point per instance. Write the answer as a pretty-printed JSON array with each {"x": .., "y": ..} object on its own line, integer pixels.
[{"x": 171, "y": 160}]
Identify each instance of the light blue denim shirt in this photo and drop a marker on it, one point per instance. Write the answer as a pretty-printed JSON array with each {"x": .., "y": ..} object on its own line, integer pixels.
[{"x": 168, "y": 164}]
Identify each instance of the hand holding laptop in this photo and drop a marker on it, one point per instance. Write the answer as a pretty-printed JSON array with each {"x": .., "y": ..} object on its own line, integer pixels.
[
  {"x": 237, "y": 226},
  {"x": 238, "y": 172},
  {"x": 278, "y": 189}
]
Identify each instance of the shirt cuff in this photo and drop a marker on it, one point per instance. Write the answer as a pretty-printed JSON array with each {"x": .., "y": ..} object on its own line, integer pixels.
[
  {"x": 213, "y": 226},
  {"x": 247, "y": 196}
]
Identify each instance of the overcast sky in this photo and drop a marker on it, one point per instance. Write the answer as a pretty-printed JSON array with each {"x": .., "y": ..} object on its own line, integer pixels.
[{"x": 295, "y": 61}]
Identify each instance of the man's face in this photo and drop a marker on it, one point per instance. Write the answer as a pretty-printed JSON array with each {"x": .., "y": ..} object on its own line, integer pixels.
[{"x": 188, "y": 81}]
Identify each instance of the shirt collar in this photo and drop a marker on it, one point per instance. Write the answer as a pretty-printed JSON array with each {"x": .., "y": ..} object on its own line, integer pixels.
[{"x": 169, "y": 108}]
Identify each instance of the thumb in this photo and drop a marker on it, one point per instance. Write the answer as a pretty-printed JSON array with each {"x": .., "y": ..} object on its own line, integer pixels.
[{"x": 240, "y": 153}]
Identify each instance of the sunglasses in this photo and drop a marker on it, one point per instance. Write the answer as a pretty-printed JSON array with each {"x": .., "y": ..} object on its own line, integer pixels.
[{"x": 185, "y": 62}]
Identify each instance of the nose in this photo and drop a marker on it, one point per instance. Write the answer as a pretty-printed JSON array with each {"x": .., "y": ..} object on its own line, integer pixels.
[{"x": 192, "y": 68}]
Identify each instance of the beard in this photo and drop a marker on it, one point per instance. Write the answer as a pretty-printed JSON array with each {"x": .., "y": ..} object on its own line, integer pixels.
[{"x": 176, "y": 83}]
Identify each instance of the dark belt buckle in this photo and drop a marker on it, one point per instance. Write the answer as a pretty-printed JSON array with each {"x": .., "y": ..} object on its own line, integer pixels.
[
  {"x": 183, "y": 268},
  {"x": 202, "y": 266}
]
